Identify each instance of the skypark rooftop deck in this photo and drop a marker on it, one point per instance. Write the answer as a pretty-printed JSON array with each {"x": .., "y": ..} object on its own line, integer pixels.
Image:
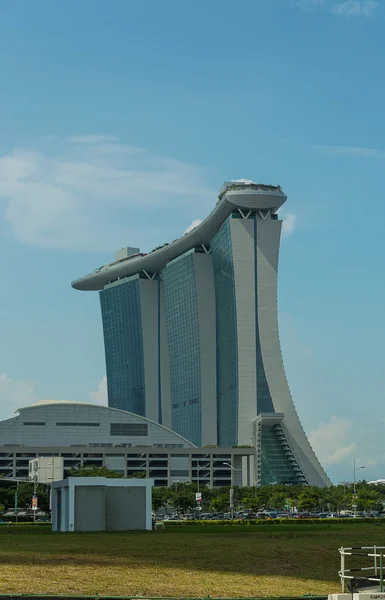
[{"x": 238, "y": 194}]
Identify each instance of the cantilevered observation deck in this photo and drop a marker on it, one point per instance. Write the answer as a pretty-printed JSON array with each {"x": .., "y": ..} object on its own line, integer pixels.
[{"x": 244, "y": 196}]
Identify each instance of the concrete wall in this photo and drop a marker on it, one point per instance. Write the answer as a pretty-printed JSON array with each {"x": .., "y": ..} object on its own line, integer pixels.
[
  {"x": 90, "y": 504},
  {"x": 268, "y": 238},
  {"x": 125, "y": 508}
]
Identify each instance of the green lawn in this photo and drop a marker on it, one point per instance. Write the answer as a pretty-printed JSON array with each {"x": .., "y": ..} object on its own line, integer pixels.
[{"x": 232, "y": 561}]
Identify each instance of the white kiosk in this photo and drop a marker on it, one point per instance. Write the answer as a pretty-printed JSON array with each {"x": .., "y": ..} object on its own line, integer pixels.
[{"x": 101, "y": 504}]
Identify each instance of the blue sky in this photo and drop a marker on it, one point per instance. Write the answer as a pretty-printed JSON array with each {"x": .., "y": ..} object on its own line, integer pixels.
[{"x": 119, "y": 122}]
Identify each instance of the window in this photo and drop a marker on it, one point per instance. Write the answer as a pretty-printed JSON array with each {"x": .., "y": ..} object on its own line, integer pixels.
[
  {"x": 122, "y": 327},
  {"x": 184, "y": 346},
  {"x": 92, "y": 455},
  {"x": 130, "y": 429},
  {"x": 40, "y": 423},
  {"x": 179, "y": 473},
  {"x": 26, "y": 454},
  {"x": 77, "y": 424},
  {"x": 227, "y": 359}
]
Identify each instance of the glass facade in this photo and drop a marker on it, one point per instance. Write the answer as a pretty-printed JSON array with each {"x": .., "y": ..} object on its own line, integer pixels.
[
  {"x": 264, "y": 401},
  {"x": 183, "y": 346},
  {"x": 277, "y": 462},
  {"x": 227, "y": 359},
  {"x": 122, "y": 327}
]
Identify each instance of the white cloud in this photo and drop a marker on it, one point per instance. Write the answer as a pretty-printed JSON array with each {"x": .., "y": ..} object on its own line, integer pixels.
[
  {"x": 194, "y": 224},
  {"x": 337, "y": 151},
  {"x": 96, "y": 194},
  {"x": 99, "y": 396},
  {"x": 91, "y": 139},
  {"x": 353, "y": 151},
  {"x": 355, "y": 8},
  {"x": 329, "y": 441},
  {"x": 242, "y": 181},
  {"x": 289, "y": 223},
  {"x": 14, "y": 394}
]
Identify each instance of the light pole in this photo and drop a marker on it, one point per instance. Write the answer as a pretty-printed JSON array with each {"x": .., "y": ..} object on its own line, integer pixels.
[
  {"x": 17, "y": 501},
  {"x": 344, "y": 483},
  {"x": 34, "y": 494},
  {"x": 355, "y": 469},
  {"x": 176, "y": 481},
  {"x": 198, "y": 469},
  {"x": 231, "y": 490},
  {"x": 255, "y": 488},
  {"x": 52, "y": 465}
]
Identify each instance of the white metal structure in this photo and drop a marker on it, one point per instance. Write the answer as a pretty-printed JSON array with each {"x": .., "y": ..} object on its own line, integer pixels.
[
  {"x": 371, "y": 573},
  {"x": 46, "y": 469}
]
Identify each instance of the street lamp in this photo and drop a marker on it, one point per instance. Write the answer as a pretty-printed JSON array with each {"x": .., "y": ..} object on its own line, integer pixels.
[
  {"x": 176, "y": 481},
  {"x": 198, "y": 469},
  {"x": 344, "y": 483},
  {"x": 231, "y": 490},
  {"x": 52, "y": 465},
  {"x": 355, "y": 469}
]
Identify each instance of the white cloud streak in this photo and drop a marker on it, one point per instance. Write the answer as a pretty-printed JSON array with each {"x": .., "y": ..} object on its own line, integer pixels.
[
  {"x": 91, "y": 139},
  {"x": 95, "y": 194},
  {"x": 336, "y": 151},
  {"x": 289, "y": 223},
  {"x": 347, "y": 151},
  {"x": 355, "y": 8},
  {"x": 14, "y": 394},
  {"x": 99, "y": 395},
  {"x": 194, "y": 224},
  {"x": 329, "y": 441}
]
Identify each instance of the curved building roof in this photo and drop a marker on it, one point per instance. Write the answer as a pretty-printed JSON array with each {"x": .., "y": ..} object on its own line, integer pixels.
[
  {"x": 241, "y": 194},
  {"x": 60, "y": 423}
]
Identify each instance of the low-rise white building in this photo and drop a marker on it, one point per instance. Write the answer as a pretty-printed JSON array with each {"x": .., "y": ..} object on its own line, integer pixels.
[{"x": 85, "y": 434}]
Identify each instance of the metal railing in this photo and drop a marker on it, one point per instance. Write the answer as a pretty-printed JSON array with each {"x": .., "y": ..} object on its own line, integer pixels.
[{"x": 373, "y": 572}]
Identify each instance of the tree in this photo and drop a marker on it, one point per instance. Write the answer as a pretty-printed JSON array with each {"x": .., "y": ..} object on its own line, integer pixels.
[
  {"x": 368, "y": 500},
  {"x": 308, "y": 500},
  {"x": 220, "y": 503},
  {"x": 278, "y": 500},
  {"x": 93, "y": 471},
  {"x": 184, "y": 498},
  {"x": 25, "y": 493},
  {"x": 160, "y": 497}
]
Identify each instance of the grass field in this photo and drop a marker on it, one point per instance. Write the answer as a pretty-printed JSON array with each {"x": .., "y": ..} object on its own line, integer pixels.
[{"x": 220, "y": 561}]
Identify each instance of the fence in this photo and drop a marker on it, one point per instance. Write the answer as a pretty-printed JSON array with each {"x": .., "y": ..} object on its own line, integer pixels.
[{"x": 372, "y": 572}]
